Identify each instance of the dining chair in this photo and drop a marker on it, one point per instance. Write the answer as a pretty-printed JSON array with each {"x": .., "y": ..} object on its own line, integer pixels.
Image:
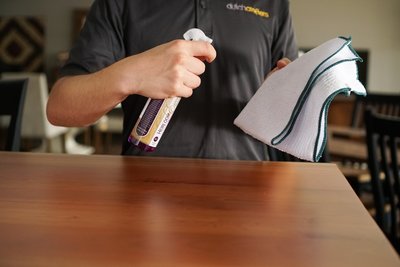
[
  {"x": 12, "y": 97},
  {"x": 388, "y": 104},
  {"x": 347, "y": 145},
  {"x": 35, "y": 125},
  {"x": 106, "y": 127},
  {"x": 383, "y": 142}
]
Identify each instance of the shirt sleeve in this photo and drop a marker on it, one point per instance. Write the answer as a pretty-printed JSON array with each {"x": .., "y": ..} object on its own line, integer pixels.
[
  {"x": 284, "y": 44},
  {"x": 100, "y": 42}
]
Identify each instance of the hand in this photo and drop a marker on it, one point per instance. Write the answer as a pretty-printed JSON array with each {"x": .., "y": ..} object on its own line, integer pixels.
[
  {"x": 280, "y": 65},
  {"x": 168, "y": 70}
]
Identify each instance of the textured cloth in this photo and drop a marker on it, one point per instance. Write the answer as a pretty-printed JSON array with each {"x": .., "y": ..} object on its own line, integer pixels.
[{"x": 289, "y": 111}]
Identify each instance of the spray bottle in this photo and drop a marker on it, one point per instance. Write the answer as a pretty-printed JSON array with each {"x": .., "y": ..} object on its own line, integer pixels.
[{"x": 157, "y": 113}]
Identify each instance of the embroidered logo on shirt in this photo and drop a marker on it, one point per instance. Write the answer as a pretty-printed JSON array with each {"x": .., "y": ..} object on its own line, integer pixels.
[{"x": 250, "y": 9}]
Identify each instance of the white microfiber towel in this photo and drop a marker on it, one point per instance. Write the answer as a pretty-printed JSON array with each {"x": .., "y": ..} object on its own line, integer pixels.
[{"x": 289, "y": 111}]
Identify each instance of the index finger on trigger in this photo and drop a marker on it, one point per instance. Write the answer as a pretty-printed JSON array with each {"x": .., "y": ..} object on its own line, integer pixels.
[{"x": 203, "y": 50}]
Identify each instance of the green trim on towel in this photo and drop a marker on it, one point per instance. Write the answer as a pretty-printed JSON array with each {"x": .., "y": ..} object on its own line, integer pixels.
[
  {"x": 317, "y": 154},
  {"x": 308, "y": 87}
]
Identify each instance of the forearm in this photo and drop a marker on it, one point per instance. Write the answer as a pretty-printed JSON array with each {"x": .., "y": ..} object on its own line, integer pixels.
[
  {"x": 168, "y": 70},
  {"x": 81, "y": 100}
]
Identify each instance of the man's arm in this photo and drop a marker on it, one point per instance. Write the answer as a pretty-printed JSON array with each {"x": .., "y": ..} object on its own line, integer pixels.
[{"x": 168, "y": 70}]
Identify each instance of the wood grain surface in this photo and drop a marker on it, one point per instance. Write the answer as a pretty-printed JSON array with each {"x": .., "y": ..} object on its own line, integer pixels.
[{"x": 65, "y": 210}]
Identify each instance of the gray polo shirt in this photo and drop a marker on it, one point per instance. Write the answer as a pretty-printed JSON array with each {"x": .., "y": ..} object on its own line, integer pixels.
[{"x": 249, "y": 37}]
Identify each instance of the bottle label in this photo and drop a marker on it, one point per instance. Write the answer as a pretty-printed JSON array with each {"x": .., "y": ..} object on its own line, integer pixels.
[{"x": 153, "y": 121}]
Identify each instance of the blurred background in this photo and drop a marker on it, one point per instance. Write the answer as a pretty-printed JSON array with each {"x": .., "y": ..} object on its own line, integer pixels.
[
  {"x": 36, "y": 36},
  {"x": 373, "y": 24}
]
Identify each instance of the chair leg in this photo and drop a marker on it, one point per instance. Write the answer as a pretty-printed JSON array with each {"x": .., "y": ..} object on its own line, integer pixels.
[
  {"x": 73, "y": 147},
  {"x": 98, "y": 141}
]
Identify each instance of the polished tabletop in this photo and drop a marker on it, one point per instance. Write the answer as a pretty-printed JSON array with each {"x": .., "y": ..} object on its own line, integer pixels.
[{"x": 70, "y": 210}]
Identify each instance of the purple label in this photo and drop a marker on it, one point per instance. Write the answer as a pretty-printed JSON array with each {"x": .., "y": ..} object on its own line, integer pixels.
[{"x": 148, "y": 117}]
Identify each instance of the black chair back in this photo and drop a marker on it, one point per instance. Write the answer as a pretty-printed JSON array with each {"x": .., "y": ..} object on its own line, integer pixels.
[
  {"x": 388, "y": 104},
  {"x": 12, "y": 97},
  {"x": 383, "y": 141}
]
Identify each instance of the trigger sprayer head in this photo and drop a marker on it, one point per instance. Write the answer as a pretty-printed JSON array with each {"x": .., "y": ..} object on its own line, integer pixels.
[{"x": 195, "y": 34}]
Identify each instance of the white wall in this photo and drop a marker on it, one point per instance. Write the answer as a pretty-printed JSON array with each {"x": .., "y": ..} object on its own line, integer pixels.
[{"x": 373, "y": 25}]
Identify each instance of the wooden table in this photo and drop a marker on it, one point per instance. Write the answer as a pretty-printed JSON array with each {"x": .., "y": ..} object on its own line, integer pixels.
[{"x": 64, "y": 210}]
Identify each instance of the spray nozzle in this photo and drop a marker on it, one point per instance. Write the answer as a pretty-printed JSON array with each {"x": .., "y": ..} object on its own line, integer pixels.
[{"x": 195, "y": 34}]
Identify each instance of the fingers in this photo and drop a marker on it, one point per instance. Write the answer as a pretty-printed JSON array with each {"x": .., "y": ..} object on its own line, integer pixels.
[
  {"x": 191, "y": 80},
  {"x": 280, "y": 65},
  {"x": 202, "y": 50},
  {"x": 171, "y": 69},
  {"x": 283, "y": 63},
  {"x": 186, "y": 91},
  {"x": 184, "y": 82},
  {"x": 188, "y": 65},
  {"x": 199, "y": 49},
  {"x": 194, "y": 65}
]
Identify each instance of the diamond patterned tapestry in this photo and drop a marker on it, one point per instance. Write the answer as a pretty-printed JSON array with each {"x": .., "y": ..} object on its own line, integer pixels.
[{"x": 22, "y": 41}]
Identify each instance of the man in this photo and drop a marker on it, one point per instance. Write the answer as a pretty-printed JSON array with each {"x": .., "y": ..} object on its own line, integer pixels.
[{"x": 131, "y": 50}]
